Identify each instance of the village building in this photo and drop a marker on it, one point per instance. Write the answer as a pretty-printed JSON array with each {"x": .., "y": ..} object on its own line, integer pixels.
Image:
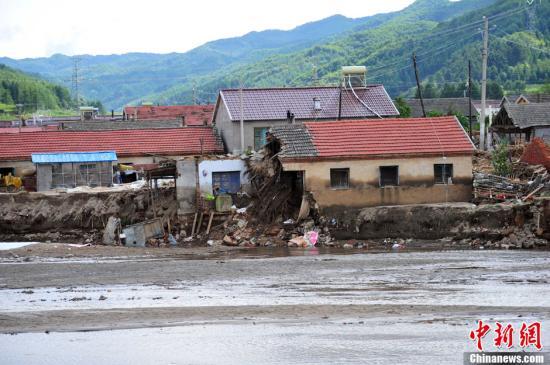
[
  {"x": 362, "y": 163},
  {"x": 444, "y": 106},
  {"x": 521, "y": 122},
  {"x": 19, "y": 151},
  {"x": 189, "y": 115},
  {"x": 265, "y": 107},
  {"x": 525, "y": 98},
  {"x": 72, "y": 169}
]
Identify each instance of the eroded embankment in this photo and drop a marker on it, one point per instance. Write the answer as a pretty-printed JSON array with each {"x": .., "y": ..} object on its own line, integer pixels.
[
  {"x": 36, "y": 212},
  {"x": 433, "y": 221}
]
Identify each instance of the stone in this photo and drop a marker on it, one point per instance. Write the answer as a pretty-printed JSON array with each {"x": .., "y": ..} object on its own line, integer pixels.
[
  {"x": 228, "y": 241},
  {"x": 528, "y": 243}
]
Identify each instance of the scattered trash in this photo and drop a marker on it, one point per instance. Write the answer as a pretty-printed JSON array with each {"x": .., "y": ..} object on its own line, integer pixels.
[{"x": 171, "y": 240}]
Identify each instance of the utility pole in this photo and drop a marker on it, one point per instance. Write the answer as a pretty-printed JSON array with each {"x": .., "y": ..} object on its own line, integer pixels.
[
  {"x": 483, "y": 82},
  {"x": 242, "y": 118},
  {"x": 75, "y": 80},
  {"x": 470, "y": 97},
  {"x": 418, "y": 86}
]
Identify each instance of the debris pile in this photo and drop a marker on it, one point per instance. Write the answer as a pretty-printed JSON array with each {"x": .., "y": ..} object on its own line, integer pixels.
[
  {"x": 495, "y": 188},
  {"x": 273, "y": 193}
]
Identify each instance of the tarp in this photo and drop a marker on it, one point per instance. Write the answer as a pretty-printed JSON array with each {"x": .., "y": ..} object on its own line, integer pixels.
[{"x": 63, "y": 157}]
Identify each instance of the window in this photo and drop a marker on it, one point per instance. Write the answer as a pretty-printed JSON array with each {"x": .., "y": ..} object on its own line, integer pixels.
[
  {"x": 260, "y": 138},
  {"x": 339, "y": 178},
  {"x": 227, "y": 181},
  {"x": 86, "y": 167},
  {"x": 443, "y": 173},
  {"x": 389, "y": 176}
]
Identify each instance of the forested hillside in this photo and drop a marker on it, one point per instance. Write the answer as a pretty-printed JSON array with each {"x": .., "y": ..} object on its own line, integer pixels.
[
  {"x": 30, "y": 93},
  {"x": 444, "y": 35},
  {"x": 171, "y": 78},
  {"x": 119, "y": 79},
  {"x": 518, "y": 54}
]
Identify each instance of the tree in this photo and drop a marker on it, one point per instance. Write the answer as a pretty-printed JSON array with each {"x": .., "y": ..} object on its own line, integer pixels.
[
  {"x": 494, "y": 91},
  {"x": 500, "y": 160},
  {"x": 403, "y": 108},
  {"x": 97, "y": 104}
]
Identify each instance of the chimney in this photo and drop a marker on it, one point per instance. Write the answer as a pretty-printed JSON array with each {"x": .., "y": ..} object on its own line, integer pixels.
[
  {"x": 316, "y": 103},
  {"x": 183, "y": 124}
]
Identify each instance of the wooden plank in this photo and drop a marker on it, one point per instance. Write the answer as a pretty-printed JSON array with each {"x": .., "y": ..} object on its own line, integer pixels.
[
  {"x": 194, "y": 223},
  {"x": 210, "y": 222},
  {"x": 200, "y": 222}
]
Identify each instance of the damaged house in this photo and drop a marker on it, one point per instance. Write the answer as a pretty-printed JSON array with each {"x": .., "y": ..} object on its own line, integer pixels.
[
  {"x": 362, "y": 163},
  {"x": 522, "y": 122}
]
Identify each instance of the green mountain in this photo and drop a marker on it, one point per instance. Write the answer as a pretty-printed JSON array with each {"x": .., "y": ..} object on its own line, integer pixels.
[
  {"x": 116, "y": 80},
  {"x": 443, "y": 42},
  {"x": 30, "y": 92},
  {"x": 444, "y": 34}
]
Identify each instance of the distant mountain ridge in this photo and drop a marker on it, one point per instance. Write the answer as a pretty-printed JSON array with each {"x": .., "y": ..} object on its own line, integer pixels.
[
  {"x": 139, "y": 74},
  {"x": 445, "y": 34}
]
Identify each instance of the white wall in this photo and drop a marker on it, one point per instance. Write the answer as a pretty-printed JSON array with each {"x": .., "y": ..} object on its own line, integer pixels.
[{"x": 207, "y": 167}]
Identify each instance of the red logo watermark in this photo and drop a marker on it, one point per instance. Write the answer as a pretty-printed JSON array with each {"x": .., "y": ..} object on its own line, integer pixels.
[{"x": 528, "y": 334}]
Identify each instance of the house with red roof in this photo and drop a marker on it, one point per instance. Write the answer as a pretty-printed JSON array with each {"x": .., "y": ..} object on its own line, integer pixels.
[
  {"x": 64, "y": 150},
  {"x": 361, "y": 163},
  {"x": 265, "y": 107},
  {"x": 189, "y": 115}
]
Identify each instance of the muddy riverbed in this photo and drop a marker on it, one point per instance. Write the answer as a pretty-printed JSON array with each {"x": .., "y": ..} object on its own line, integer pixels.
[{"x": 264, "y": 306}]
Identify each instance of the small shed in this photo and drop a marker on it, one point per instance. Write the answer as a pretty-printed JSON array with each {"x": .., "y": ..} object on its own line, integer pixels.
[{"x": 72, "y": 169}]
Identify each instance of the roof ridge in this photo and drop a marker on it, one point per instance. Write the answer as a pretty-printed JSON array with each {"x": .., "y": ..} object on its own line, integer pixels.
[{"x": 296, "y": 87}]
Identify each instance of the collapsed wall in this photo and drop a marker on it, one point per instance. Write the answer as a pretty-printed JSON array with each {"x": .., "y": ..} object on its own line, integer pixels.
[{"x": 36, "y": 212}]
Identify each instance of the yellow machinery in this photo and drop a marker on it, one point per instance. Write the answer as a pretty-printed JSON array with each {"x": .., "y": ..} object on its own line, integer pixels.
[{"x": 10, "y": 183}]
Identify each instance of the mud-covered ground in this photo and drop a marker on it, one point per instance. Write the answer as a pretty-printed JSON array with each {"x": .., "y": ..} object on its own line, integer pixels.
[{"x": 264, "y": 306}]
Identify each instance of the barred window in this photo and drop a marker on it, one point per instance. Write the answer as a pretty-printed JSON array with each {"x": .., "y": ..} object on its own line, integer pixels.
[
  {"x": 339, "y": 178},
  {"x": 443, "y": 173}
]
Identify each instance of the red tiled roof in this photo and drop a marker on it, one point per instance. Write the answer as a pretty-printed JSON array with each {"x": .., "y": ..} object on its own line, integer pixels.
[
  {"x": 194, "y": 114},
  {"x": 135, "y": 142},
  {"x": 273, "y": 103},
  {"x": 397, "y": 136}
]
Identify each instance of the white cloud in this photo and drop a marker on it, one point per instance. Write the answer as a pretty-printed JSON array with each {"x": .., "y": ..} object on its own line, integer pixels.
[{"x": 34, "y": 28}]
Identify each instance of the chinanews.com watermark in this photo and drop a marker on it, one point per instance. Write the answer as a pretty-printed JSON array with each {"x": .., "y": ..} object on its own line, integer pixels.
[
  {"x": 505, "y": 336},
  {"x": 509, "y": 358}
]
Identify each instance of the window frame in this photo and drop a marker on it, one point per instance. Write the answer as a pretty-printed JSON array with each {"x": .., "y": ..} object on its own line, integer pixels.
[
  {"x": 340, "y": 170},
  {"x": 396, "y": 176},
  {"x": 444, "y": 170},
  {"x": 261, "y": 137}
]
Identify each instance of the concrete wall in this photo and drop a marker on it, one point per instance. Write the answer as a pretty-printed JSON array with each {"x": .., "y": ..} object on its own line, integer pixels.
[
  {"x": 416, "y": 182},
  {"x": 186, "y": 181},
  {"x": 231, "y": 130},
  {"x": 542, "y": 132},
  {"x": 225, "y": 126},
  {"x": 185, "y": 185},
  {"x": 18, "y": 165},
  {"x": 43, "y": 177}
]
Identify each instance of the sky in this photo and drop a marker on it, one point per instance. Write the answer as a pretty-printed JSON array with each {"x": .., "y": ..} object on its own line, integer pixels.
[{"x": 40, "y": 28}]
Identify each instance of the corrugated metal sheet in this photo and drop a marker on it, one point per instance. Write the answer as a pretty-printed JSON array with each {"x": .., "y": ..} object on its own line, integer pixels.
[{"x": 99, "y": 156}]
